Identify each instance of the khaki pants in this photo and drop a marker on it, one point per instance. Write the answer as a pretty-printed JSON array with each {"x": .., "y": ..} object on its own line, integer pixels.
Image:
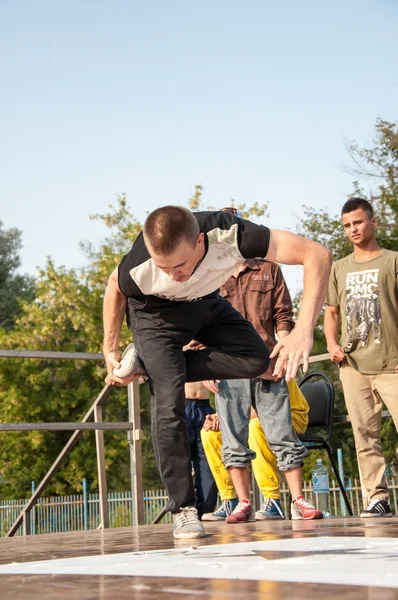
[{"x": 364, "y": 395}]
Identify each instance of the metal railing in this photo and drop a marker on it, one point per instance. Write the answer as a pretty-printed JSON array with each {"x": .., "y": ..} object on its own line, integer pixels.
[
  {"x": 134, "y": 434},
  {"x": 133, "y": 427},
  {"x": 82, "y": 511}
]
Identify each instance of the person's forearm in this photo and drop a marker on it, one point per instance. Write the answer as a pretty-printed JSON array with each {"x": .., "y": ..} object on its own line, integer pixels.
[
  {"x": 331, "y": 327},
  {"x": 316, "y": 276},
  {"x": 282, "y": 333},
  {"x": 113, "y": 315}
]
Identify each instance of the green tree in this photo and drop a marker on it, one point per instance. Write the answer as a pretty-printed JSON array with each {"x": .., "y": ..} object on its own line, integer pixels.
[
  {"x": 14, "y": 288},
  {"x": 379, "y": 164},
  {"x": 67, "y": 316},
  {"x": 195, "y": 203}
]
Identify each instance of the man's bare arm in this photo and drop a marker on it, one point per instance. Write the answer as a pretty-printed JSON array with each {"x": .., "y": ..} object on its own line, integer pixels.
[
  {"x": 331, "y": 329},
  {"x": 291, "y": 249},
  {"x": 282, "y": 333},
  {"x": 113, "y": 315}
]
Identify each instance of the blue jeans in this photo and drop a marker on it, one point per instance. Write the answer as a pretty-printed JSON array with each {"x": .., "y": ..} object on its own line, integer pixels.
[
  {"x": 205, "y": 486},
  {"x": 272, "y": 404}
]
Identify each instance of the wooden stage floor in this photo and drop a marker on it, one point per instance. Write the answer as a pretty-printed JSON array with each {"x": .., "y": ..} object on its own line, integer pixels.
[{"x": 299, "y": 560}]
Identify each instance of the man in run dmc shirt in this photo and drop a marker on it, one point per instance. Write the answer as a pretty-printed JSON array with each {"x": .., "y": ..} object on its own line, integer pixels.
[
  {"x": 167, "y": 285},
  {"x": 363, "y": 292}
]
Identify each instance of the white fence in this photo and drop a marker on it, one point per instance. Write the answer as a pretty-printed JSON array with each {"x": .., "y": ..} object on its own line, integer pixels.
[{"x": 73, "y": 513}]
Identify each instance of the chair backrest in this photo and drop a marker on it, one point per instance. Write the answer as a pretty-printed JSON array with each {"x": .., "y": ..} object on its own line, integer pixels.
[{"x": 318, "y": 390}]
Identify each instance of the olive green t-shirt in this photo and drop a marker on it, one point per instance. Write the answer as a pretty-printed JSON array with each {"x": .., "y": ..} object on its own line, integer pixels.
[{"x": 367, "y": 295}]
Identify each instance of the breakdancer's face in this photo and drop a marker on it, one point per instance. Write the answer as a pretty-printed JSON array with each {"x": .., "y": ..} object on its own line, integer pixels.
[{"x": 180, "y": 265}]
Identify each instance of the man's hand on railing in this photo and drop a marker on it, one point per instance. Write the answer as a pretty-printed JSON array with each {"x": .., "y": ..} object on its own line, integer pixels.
[{"x": 337, "y": 354}]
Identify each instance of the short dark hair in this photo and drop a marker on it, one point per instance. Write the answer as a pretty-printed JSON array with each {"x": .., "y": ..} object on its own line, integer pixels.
[
  {"x": 355, "y": 203},
  {"x": 232, "y": 210},
  {"x": 166, "y": 227}
]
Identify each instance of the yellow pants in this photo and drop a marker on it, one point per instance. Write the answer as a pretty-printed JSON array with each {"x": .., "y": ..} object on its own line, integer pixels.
[{"x": 264, "y": 465}]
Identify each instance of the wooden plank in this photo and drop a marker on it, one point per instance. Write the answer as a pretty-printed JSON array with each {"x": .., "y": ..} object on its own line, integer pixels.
[
  {"x": 132, "y": 539},
  {"x": 87, "y": 587},
  {"x": 160, "y": 537}
]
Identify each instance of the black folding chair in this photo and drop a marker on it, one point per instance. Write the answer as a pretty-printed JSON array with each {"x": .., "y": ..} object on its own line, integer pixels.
[{"x": 320, "y": 397}]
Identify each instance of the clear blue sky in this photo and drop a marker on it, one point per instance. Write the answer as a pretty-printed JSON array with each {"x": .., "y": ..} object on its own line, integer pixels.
[{"x": 250, "y": 99}]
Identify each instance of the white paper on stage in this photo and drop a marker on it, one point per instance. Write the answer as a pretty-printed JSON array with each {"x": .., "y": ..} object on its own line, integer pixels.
[{"x": 334, "y": 560}]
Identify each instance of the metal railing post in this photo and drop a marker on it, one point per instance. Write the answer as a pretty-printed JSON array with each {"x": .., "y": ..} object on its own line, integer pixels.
[
  {"x": 103, "y": 488},
  {"x": 341, "y": 473},
  {"x": 135, "y": 441},
  {"x": 85, "y": 505},
  {"x": 33, "y": 510},
  {"x": 26, "y": 523}
]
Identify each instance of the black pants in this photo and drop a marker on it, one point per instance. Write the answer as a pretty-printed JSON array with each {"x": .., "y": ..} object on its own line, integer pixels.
[
  {"x": 234, "y": 350},
  {"x": 205, "y": 486}
]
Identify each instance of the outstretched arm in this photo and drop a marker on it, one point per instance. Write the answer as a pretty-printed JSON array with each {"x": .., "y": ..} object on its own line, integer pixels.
[{"x": 291, "y": 249}]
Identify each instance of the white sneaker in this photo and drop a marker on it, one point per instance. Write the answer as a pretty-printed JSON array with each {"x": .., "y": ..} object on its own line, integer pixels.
[
  {"x": 130, "y": 364},
  {"x": 377, "y": 508},
  {"x": 187, "y": 524}
]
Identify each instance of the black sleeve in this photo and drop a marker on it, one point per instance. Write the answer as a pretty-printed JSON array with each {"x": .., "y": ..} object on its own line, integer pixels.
[
  {"x": 253, "y": 239},
  {"x": 137, "y": 255}
]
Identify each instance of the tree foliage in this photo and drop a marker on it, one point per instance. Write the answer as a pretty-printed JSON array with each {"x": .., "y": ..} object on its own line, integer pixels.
[
  {"x": 67, "y": 316},
  {"x": 195, "y": 203},
  {"x": 379, "y": 165},
  {"x": 14, "y": 288}
]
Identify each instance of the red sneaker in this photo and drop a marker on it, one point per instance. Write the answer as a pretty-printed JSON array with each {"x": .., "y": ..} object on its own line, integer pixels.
[
  {"x": 243, "y": 513},
  {"x": 301, "y": 509}
]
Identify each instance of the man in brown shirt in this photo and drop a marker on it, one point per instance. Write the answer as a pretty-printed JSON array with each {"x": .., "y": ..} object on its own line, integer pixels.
[{"x": 258, "y": 291}]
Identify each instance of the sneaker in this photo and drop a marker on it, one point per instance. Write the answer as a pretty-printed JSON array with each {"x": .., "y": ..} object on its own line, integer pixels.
[
  {"x": 222, "y": 512},
  {"x": 130, "y": 364},
  {"x": 301, "y": 509},
  {"x": 243, "y": 513},
  {"x": 187, "y": 524},
  {"x": 377, "y": 508},
  {"x": 271, "y": 509}
]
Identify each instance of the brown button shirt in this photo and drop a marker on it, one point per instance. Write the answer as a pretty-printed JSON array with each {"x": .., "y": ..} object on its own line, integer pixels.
[{"x": 260, "y": 294}]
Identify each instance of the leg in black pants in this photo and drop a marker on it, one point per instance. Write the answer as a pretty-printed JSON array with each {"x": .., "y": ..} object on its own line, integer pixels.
[
  {"x": 234, "y": 350},
  {"x": 205, "y": 486}
]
